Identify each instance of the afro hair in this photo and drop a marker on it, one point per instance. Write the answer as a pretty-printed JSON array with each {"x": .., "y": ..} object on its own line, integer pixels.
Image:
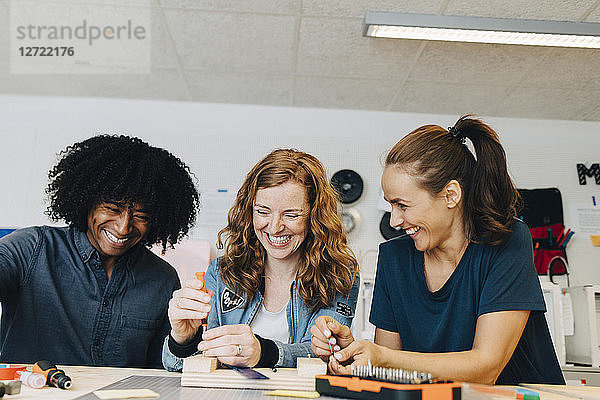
[{"x": 125, "y": 169}]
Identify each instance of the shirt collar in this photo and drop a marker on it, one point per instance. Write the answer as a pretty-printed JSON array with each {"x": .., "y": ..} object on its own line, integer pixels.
[
  {"x": 83, "y": 245},
  {"x": 87, "y": 251}
]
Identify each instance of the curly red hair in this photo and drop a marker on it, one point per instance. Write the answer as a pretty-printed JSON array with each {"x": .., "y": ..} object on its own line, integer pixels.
[{"x": 327, "y": 264}]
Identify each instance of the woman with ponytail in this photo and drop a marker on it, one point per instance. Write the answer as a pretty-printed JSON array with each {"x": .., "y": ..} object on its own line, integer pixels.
[{"x": 458, "y": 296}]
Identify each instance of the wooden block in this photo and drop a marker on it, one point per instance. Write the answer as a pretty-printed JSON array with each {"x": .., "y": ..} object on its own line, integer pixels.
[
  {"x": 199, "y": 363},
  {"x": 311, "y": 366}
]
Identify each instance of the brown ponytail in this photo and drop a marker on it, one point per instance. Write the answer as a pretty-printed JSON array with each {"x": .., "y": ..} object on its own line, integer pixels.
[{"x": 435, "y": 156}]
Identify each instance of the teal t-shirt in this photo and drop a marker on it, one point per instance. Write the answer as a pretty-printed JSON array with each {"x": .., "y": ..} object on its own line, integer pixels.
[{"x": 487, "y": 279}]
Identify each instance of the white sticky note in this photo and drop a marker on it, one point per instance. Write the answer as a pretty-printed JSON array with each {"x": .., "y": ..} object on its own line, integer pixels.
[{"x": 126, "y": 394}]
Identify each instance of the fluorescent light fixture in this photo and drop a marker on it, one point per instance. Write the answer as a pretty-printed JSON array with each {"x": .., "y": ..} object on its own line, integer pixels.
[{"x": 482, "y": 30}]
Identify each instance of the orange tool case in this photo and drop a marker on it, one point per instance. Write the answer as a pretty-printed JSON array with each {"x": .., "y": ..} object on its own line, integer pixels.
[{"x": 353, "y": 387}]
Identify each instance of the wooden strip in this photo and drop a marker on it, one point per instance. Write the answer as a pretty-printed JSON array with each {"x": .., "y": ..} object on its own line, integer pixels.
[{"x": 284, "y": 378}]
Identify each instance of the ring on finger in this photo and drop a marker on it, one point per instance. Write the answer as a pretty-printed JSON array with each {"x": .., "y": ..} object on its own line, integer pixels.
[{"x": 239, "y": 350}]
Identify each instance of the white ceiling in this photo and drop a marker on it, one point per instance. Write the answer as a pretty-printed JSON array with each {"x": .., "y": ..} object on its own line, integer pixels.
[{"x": 311, "y": 53}]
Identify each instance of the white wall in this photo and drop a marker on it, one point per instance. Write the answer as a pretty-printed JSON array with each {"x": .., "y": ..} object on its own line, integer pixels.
[{"x": 221, "y": 142}]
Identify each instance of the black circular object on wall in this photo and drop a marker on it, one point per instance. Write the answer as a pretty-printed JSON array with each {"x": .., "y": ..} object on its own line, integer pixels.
[
  {"x": 386, "y": 230},
  {"x": 348, "y": 184}
]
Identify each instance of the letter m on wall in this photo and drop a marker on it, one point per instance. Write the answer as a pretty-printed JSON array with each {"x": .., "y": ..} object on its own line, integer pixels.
[{"x": 594, "y": 171}]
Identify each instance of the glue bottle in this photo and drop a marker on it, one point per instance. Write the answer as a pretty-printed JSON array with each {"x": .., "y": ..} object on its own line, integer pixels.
[{"x": 32, "y": 379}]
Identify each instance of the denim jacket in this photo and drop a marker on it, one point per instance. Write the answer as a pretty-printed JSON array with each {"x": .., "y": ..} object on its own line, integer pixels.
[{"x": 229, "y": 308}]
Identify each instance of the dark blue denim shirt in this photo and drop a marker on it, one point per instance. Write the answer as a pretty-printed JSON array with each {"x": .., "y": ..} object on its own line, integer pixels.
[{"x": 59, "y": 305}]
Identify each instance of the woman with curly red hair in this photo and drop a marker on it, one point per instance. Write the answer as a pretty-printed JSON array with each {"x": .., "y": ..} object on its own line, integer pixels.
[{"x": 286, "y": 263}]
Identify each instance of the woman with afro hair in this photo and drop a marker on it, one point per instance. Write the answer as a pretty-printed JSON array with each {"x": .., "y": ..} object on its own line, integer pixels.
[{"x": 92, "y": 293}]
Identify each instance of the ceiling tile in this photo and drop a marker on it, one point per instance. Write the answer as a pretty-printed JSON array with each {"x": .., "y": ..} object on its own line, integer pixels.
[
  {"x": 101, "y": 3},
  {"x": 493, "y": 64},
  {"x": 239, "y": 88},
  {"x": 593, "y": 116},
  {"x": 130, "y": 3},
  {"x": 550, "y": 103},
  {"x": 357, "y": 8},
  {"x": 163, "y": 52},
  {"x": 594, "y": 16},
  {"x": 5, "y": 15},
  {"x": 227, "y": 41},
  {"x": 447, "y": 98},
  {"x": 41, "y": 85},
  {"x": 163, "y": 84},
  {"x": 563, "y": 10},
  {"x": 58, "y": 14},
  {"x": 258, "y": 6},
  {"x": 4, "y": 30},
  {"x": 567, "y": 68},
  {"x": 336, "y": 47},
  {"x": 366, "y": 94}
]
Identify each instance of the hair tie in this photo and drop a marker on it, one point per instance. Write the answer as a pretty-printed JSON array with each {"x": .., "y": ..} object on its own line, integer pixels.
[{"x": 455, "y": 133}]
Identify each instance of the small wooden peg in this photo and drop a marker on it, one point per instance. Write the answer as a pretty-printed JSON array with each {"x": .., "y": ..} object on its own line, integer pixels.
[
  {"x": 199, "y": 363},
  {"x": 311, "y": 366}
]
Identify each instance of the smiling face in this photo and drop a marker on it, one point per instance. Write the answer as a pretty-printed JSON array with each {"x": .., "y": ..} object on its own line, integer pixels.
[
  {"x": 115, "y": 227},
  {"x": 280, "y": 219},
  {"x": 429, "y": 220}
]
